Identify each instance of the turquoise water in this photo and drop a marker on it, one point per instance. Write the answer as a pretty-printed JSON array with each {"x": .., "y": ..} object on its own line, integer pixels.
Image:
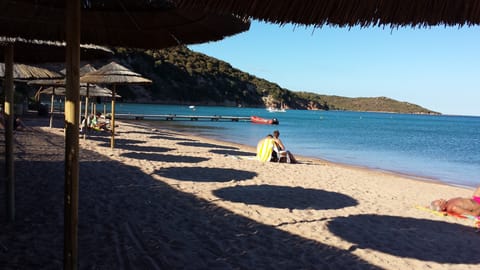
[{"x": 444, "y": 148}]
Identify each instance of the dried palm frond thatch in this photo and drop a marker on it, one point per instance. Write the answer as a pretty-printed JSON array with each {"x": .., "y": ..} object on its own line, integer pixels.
[
  {"x": 41, "y": 51},
  {"x": 348, "y": 13},
  {"x": 83, "y": 69},
  {"x": 127, "y": 23},
  {"x": 114, "y": 73},
  {"x": 26, "y": 72}
]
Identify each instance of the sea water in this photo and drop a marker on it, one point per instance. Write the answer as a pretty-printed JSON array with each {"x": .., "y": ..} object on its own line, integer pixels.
[{"x": 443, "y": 148}]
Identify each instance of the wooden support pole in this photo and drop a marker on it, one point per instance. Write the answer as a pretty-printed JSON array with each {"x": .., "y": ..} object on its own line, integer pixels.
[
  {"x": 85, "y": 126},
  {"x": 112, "y": 121},
  {"x": 9, "y": 143},
  {"x": 52, "y": 100},
  {"x": 72, "y": 115}
]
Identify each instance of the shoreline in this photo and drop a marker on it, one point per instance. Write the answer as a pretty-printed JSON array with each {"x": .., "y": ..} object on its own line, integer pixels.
[
  {"x": 312, "y": 158},
  {"x": 169, "y": 200}
]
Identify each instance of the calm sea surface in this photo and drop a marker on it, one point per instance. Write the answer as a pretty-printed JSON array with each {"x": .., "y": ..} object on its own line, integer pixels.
[{"x": 445, "y": 148}]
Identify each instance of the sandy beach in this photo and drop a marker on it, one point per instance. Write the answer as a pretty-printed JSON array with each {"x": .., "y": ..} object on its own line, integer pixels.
[{"x": 168, "y": 200}]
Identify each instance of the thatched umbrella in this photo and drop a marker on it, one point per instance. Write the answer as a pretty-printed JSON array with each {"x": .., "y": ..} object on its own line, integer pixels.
[
  {"x": 128, "y": 23},
  {"x": 347, "y": 13},
  {"x": 114, "y": 74},
  {"x": 22, "y": 72},
  {"x": 42, "y": 51}
]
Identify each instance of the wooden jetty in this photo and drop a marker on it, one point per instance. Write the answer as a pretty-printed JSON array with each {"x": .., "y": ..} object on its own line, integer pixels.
[{"x": 171, "y": 117}]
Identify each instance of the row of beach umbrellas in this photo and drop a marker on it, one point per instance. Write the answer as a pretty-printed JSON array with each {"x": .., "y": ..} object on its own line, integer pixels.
[
  {"x": 52, "y": 84},
  {"x": 164, "y": 23},
  {"x": 88, "y": 89},
  {"x": 128, "y": 23}
]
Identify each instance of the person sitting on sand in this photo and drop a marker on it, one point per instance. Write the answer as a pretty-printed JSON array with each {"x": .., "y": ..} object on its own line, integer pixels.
[
  {"x": 265, "y": 148},
  {"x": 461, "y": 206},
  {"x": 97, "y": 123},
  {"x": 18, "y": 124},
  {"x": 283, "y": 154}
]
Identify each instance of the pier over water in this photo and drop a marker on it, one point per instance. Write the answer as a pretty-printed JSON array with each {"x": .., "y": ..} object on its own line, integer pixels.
[{"x": 172, "y": 117}]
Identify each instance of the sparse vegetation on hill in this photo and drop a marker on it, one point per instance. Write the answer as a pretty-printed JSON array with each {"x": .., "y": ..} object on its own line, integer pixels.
[{"x": 182, "y": 76}]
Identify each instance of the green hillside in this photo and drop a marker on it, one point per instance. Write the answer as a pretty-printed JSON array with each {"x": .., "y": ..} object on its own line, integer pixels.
[{"x": 182, "y": 76}]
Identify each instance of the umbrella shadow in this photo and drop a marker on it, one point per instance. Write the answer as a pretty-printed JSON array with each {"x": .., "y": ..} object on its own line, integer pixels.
[
  {"x": 232, "y": 152},
  {"x": 131, "y": 145},
  {"x": 139, "y": 148},
  {"x": 139, "y": 132},
  {"x": 405, "y": 237},
  {"x": 286, "y": 197},
  {"x": 118, "y": 141},
  {"x": 127, "y": 219},
  {"x": 164, "y": 158},
  {"x": 200, "y": 174},
  {"x": 207, "y": 145},
  {"x": 171, "y": 138}
]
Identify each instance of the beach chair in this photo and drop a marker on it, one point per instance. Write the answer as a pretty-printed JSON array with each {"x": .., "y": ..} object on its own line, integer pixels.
[{"x": 280, "y": 155}]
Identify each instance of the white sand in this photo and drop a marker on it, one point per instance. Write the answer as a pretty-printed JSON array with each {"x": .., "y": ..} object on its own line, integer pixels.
[{"x": 166, "y": 200}]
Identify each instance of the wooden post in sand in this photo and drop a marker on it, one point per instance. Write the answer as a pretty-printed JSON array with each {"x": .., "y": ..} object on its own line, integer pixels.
[
  {"x": 9, "y": 118},
  {"x": 112, "y": 120},
  {"x": 85, "y": 126},
  {"x": 72, "y": 114},
  {"x": 52, "y": 100}
]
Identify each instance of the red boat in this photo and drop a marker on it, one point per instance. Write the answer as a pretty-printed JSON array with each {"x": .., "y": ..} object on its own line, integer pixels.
[{"x": 260, "y": 120}]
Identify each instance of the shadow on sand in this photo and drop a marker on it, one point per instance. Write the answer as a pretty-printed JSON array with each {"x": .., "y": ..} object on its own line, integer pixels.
[
  {"x": 171, "y": 138},
  {"x": 118, "y": 141},
  {"x": 163, "y": 157},
  {"x": 201, "y": 174},
  {"x": 207, "y": 145},
  {"x": 286, "y": 197},
  {"x": 139, "y": 148},
  {"x": 421, "y": 239},
  {"x": 232, "y": 152}
]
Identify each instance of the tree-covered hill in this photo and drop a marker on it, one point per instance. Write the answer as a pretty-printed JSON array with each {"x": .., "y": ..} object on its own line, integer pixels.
[{"x": 182, "y": 76}]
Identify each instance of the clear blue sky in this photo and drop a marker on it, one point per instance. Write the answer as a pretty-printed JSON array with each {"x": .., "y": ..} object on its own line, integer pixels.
[{"x": 437, "y": 68}]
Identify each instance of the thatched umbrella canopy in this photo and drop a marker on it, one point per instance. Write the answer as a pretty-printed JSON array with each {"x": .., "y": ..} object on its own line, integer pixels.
[
  {"x": 114, "y": 74},
  {"x": 28, "y": 72},
  {"x": 127, "y": 23},
  {"x": 348, "y": 13},
  {"x": 41, "y": 51},
  {"x": 83, "y": 70}
]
